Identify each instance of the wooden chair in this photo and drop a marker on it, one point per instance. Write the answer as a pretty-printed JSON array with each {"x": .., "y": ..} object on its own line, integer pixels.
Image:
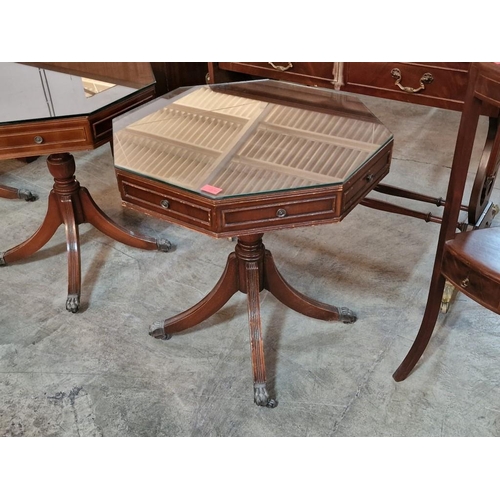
[{"x": 470, "y": 260}]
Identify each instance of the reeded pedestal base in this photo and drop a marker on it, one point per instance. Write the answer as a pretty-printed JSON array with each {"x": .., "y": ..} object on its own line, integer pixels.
[
  {"x": 250, "y": 269},
  {"x": 72, "y": 205}
]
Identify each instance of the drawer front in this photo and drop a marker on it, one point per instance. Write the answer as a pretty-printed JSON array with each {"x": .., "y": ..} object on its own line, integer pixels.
[
  {"x": 366, "y": 179},
  {"x": 30, "y": 140},
  {"x": 307, "y": 73},
  {"x": 447, "y": 89},
  {"x": 158, "y": 198},
  {"x": 484, "y": 289},
  {"x": 287, "y": 213}
]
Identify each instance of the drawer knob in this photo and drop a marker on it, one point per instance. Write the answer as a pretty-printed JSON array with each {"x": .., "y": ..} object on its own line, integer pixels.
[
  {"x": 465, "y": 283},
  {"x": 369, "y": 178},
  {"x": 165, "y": 203},
  {"x": 426, "y": 78},
  {"x": 38, "y": 139},
  {"x": 281, "y": 68},
  {"x": 281, "y": 212}
]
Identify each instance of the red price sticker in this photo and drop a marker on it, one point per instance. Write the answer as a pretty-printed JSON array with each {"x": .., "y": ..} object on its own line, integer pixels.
[{"x": 211, "y": 189}]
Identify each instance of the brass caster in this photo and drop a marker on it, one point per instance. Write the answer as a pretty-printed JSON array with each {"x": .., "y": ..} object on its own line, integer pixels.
[
  {"x": 261, "y": 397},
  {"x": 24, "y": 194},
  {"x": 163, "y": 245},
  {"x": 73, "y": 303},
  {"x": 157, "y": 330},
  {"x": 448, "y": 296},
  {"x": 347, "y": 316}
]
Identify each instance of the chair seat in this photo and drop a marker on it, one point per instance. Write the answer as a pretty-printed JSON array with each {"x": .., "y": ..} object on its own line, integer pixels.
[{"x": 471, "y": 261}]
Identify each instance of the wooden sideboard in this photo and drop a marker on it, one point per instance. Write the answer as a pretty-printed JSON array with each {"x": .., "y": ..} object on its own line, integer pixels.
[
  {"x": 171, "y": 75},
  {"x": 441, "y": 84}
]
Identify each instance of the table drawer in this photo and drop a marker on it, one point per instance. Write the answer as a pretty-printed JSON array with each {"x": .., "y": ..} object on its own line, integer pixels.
[
  {"x": 483, "y": 288},
  {"x": 307, "y": 73},
  {"x": 227, "y": 217},
  {"x": 283, "y": 214},
  {"x": 23, "y": 140},
  {"x": 449, "y": 81},
  {"x": 154, "y": 197},
  {"x": 366, "y": 179}
]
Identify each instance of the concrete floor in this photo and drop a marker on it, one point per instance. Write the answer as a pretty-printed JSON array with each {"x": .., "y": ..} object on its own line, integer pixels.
[{"x": 99, "y": 373}]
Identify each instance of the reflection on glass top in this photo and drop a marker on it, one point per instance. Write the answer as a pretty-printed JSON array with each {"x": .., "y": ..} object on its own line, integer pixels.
[
  {"x": 31, "y": 93},
  {"x": 247, "y": 138},
  {"x": 92, "y": 87}
]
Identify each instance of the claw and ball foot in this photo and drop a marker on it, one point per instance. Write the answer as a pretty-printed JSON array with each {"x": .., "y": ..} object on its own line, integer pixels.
[
  {"x": 261, "y": 397},
  {"x": 157, "y": 330}
]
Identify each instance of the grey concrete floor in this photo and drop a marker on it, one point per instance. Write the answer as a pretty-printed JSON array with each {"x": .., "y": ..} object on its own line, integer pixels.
[{"x": 99, "y": 373}]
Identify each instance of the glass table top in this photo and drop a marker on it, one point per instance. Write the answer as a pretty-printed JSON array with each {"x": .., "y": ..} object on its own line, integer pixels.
[
  {"x": 31, "y": 93},
  {"x": 248, "y": 138}
]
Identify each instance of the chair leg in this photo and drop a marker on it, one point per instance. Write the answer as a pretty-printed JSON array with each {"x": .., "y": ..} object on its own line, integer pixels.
[{"x": 426, "y": 328}]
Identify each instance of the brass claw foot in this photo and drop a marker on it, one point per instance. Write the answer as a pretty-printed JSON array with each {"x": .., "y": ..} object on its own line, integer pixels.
[
  {"x": 163, "y": 245},
  {"x": 346, "y": 315},
  {"x": 261, "y": 397},
  {"x": 157, "y": 330},
  {"x": 72, "y": 303}
]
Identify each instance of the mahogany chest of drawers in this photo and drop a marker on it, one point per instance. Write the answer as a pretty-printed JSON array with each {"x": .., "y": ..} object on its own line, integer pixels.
[{"x": 440, "y": 84}]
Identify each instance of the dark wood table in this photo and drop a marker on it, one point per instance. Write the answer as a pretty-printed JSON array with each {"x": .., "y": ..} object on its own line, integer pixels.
[
  {"x": 240, "y": 160},
  {"x": 57, "y": 108}
]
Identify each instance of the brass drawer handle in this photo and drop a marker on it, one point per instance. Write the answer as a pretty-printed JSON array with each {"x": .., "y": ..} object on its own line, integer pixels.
[
  {"x": 465, "y": 283},
  {"x": 165, "y": 203},
  {"x": 38, "y": 139},
  {"x": 281, "y": 68},
  {"x": 426, "y": 78},
  {"x": 281, "y": 212},
  {"x": 369, "y": 178}
]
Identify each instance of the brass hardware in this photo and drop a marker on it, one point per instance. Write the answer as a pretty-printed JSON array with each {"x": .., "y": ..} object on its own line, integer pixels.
[
  {"x": 281, "y": 68},
  {"x": 338, "y": 75},
  {"x": 281, "y": 212},
  {"x": 426, "y": 78},
  {"x": 38, "y": 139},
  {"x": 165, "y": 203},
  {"x": 369, "y": 178},
  {"x": 465, "y": 283}
]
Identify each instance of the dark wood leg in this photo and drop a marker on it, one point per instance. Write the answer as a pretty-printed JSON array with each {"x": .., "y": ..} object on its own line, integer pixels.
[
  {"x": 13, "y": 193},
  {"x": 95, "y": 216},
  {"x": 225, "y": 288},
  {"x": 293, "y": 299},
  {"x": 72, "y": 205},
  {"x": 73, "y": 250},
  {"x": 250, "y": 269},
  {"x": 250, "y": 252},
  {"x": 47, "y": 229},
  {"x": 426, "y": 328}
]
